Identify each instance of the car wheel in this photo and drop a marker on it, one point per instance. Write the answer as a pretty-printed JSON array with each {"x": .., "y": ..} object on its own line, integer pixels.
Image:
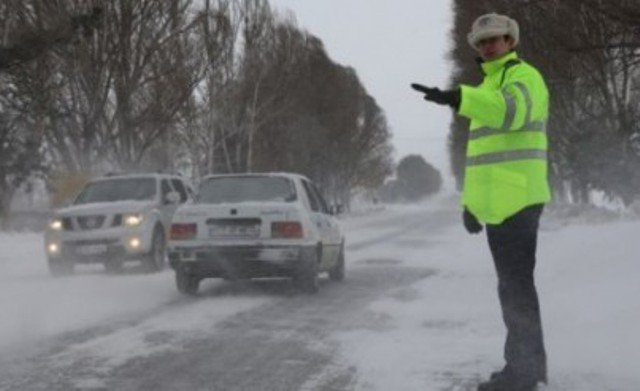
[
  {"x": 113, "y": 265},
  {"x": 337, "y": 272},
  {"x": 187, "y": 284},
  {"x": 306, "y": 278},
  {"x": 154, "y": 261},
  {"x": 61, "y": 267}
]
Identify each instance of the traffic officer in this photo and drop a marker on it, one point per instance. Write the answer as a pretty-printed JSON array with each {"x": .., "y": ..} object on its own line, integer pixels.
[{"x": 506, "y": 186}]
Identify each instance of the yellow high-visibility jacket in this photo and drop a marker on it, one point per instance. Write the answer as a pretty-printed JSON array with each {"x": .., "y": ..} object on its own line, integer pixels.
[{"x": 506, "y": 167}]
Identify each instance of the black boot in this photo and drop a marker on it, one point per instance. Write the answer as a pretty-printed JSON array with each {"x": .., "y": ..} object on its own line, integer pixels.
[
  {"x": 497, "y": 373},
  {"x": 504, "y": 381},
  {"x": 542, "y": 377}
]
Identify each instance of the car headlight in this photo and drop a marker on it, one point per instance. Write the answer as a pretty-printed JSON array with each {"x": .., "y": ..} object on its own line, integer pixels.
[
  {"x": 53, "y": 248},
  {"x": 55, "y": 225},
  {"x": 133, "y": 220}
]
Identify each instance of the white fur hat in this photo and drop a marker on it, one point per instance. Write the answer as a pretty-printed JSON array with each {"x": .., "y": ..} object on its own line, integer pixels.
[{"x": 493, "y": 25}]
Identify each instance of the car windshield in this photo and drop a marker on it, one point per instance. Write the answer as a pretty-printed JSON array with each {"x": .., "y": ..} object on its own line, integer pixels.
[
  {"x": 246, "y": 189},
  {"x": 118, "y": 190}
]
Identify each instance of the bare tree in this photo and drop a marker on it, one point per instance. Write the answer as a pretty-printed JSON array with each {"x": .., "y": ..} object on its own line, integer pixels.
[
  {"x": 213, "y": 86},
  {"x": 28, "y": 32},
  {"x": 30, "y": 43}
]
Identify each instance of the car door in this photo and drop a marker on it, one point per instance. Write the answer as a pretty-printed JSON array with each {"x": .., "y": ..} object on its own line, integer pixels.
[
  {"x": 333, "y": 232},
  {"x": 319, "y": 219}
]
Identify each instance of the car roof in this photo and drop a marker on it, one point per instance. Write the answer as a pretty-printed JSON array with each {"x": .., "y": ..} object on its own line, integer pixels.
[
  {"x": 289, "y": 175},
  {"x": 137, "y": 175}
]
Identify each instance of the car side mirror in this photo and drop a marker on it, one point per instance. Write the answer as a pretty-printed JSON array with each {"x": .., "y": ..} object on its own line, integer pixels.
[{"x": 172, "y": 198}]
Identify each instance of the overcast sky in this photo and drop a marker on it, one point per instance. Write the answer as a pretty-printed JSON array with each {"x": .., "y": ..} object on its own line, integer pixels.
[{"x": 391, "y": 44}]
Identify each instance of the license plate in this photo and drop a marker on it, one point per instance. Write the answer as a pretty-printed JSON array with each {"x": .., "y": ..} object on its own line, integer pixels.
[
  {"x": 94, "y": 249},
  {"x": 233, "y": 232}
]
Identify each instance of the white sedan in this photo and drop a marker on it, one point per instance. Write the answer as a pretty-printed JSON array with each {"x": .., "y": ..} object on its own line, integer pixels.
[{"x": 256, "y": 225}]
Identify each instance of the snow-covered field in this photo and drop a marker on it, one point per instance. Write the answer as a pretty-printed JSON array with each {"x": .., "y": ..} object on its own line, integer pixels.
[
  {"x": 444, "y": 332},
  {"x": 439, "y": 333}
]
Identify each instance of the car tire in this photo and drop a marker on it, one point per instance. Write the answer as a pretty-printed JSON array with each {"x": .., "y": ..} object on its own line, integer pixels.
[
  {"x": 187, "y": 284},
  {"x": 154, "y": 260},
  {"x": 337, "y": 272},
  {"x": 306, "y": 278},
  {"x": 61, "y": 267}
]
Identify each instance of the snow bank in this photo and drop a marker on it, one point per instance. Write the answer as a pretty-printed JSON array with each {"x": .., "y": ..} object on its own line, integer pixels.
[{"x": 445, "y": 332}]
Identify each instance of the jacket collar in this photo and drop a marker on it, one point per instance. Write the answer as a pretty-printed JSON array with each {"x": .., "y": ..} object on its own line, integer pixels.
[{"x": 491, "y": 67}]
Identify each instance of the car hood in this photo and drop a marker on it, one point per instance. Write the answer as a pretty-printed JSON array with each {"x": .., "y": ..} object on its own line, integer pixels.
[{"x": 106, "y": 208}]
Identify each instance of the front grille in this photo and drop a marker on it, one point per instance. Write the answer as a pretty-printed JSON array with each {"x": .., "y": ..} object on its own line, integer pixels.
[
  {"x": 117, "y": 220},
  {"x": 90, "y": 222},
  {"x": 89, "y": 242},
  {"x": 67, "y": 225}
]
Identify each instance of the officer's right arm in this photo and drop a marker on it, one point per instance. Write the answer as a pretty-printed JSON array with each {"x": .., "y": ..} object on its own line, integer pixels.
[{"x": 508, "y": 108}]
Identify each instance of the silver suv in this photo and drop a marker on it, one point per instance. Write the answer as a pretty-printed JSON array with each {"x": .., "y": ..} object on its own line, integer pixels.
[{"x": 116, "y": 218}]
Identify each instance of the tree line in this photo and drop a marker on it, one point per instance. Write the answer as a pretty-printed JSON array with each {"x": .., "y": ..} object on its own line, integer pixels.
[
  {"x": 212, "y": 86},
  {"x": 415, "y": 179},
  {"x": 589, "y": 52}
]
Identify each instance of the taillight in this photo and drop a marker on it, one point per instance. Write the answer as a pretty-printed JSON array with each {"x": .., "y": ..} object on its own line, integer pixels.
[
  {"x": 183, "y": 231},
  {"x": 286, "y": 230}
]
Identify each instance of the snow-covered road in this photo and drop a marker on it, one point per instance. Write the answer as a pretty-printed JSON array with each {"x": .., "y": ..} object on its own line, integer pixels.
[{"x": 418, "y": 311}]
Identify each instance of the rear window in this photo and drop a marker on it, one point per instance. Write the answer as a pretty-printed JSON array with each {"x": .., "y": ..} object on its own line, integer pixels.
[{"x": 246, "y": 189}]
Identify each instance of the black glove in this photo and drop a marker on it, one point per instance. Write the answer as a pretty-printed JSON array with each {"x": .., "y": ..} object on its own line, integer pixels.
[
  {"x": 472, "y": 224},
  {"x": 446, "y": 97}
]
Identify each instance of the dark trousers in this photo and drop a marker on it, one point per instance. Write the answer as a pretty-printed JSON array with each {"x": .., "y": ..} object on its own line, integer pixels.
[{"x": 513, "y": 245}]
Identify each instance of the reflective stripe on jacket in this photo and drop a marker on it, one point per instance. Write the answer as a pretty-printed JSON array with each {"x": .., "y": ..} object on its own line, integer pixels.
[{"x": 506, "y": 167}]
